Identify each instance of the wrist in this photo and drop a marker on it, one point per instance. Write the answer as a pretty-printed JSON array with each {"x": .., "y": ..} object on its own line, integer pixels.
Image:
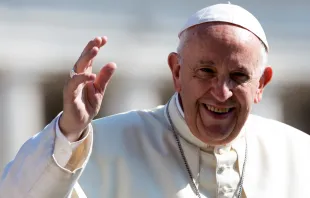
[{"x": 71, "y": 131}]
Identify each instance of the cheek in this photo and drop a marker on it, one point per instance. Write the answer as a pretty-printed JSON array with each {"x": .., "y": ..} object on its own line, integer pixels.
[
  {"x": 245, "y": 96},
  {"x": 195, "y": 88}
]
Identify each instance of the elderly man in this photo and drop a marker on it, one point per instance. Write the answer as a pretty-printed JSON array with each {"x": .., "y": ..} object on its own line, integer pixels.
[{"x": 202, "y": 143}]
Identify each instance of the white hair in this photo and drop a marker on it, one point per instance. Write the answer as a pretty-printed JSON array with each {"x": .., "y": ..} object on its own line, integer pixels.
[{"x": 264, "y": 58}]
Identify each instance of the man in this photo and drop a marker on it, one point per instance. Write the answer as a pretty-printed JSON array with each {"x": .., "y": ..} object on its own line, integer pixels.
[{"x": 202, "y": 143}]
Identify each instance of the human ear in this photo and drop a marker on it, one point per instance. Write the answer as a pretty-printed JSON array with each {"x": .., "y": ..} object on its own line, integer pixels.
[
  {"x": 173, "y": 62},
  {"x": 264, "y": 80}
]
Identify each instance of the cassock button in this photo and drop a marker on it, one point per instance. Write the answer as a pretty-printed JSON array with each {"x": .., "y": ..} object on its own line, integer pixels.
[
  {"x": 221, "y": 151},
  {"x": 227, "y": 189},
  {"x": 220, "y": 170}
]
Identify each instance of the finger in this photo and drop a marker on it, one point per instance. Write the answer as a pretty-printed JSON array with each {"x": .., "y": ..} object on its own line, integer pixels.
[
  {"x": 104, "y": 77},
  {"x": 98, "y": 41},
  {"x": 104, "y": 40},
  {"x": 90, "y": 51},
  {"x": 84, "y": 62},
  {"x": 77, "y": 82}
]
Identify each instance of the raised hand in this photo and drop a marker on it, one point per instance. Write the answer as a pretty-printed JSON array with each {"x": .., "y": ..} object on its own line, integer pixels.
[{"x": 84, "y": 91}]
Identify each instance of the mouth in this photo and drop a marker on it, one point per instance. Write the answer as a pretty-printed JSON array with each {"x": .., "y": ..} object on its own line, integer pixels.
[{"x": 218, "y": 112}]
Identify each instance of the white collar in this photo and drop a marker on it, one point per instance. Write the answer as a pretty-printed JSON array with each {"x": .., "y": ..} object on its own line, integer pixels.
[{"x": 177, "y": 98}]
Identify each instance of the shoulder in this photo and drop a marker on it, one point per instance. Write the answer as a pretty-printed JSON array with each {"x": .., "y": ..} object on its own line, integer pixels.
[
  {"x": 265, "y": 128},
  {"x": 131, "y": 125},
  {"x": 125, "y": 133},
  {"x": 129, "y": 119}
]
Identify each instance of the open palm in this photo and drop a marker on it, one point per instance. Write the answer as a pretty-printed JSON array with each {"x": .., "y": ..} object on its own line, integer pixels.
[{"x": 83, "y": 93}]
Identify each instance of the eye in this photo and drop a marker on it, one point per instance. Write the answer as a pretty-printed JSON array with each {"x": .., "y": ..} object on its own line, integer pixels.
[
  {"x": 240, "y": 77},
  {"x": 205, "y": 72}
]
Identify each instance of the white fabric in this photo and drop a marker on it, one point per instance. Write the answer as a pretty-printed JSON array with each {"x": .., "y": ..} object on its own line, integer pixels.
[
  {"x": 64, "y": 148},
  {"x": 135, "y": 155},
  {"x": 35, "y": 173},
  {"x": 179, "y": 105},
  {"x": 218, "y": 176},
  {"x": 228, "y": 13}
]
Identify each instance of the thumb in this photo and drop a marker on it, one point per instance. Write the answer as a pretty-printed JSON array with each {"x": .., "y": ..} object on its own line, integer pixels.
[{"x": 104, "y": 77}]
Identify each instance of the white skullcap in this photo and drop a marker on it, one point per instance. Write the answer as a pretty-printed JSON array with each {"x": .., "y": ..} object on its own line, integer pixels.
[{"x": 230, "y": 14}]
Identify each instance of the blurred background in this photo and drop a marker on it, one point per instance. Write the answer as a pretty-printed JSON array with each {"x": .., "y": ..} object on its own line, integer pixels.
[{"x": 41, "y": 40}]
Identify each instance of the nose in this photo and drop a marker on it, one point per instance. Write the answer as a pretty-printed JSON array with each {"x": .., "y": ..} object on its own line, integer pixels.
[{"x": 221, "y": 90}]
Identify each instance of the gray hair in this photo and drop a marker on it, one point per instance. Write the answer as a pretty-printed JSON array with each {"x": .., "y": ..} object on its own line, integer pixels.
[{"x": 264, "y": 59}]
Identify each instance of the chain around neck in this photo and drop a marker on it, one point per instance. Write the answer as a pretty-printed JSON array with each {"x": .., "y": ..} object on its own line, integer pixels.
[{"x": 238, "y": 191}]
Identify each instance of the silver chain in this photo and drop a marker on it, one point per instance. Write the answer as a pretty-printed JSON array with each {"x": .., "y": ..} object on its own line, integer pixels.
[{"x": 192, "y": 183}]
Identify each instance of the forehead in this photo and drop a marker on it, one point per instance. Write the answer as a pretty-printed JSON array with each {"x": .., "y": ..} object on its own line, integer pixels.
[{"x": 221, "y": 40}]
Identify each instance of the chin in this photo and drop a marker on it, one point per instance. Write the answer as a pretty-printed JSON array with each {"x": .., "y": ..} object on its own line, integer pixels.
[
  {"x": 215, "y": 138},
  {"x": 216, "y": 134},
  {"x": 216, "y": 125}
]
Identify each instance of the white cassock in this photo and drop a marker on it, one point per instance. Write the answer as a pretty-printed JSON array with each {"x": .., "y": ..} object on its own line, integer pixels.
[{"x": 136, "y": 155}]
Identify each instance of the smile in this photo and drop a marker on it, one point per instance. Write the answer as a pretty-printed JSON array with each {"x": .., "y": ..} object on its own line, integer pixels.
[{"x": 218, "y": 110}]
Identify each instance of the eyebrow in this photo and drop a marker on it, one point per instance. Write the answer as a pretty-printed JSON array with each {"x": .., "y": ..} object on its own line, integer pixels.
[
  {"x": 242, "y": 68},
  {"x": 209, "y": 63}
]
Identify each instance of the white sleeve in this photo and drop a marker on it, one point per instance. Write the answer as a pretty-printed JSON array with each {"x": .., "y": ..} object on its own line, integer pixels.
[
  {"x": 35, "y": 172},
  {"x": 64, "y": 148}
]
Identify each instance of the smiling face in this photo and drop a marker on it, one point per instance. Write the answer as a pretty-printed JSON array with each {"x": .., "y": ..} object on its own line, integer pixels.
[{"x": 218, "y": 75}]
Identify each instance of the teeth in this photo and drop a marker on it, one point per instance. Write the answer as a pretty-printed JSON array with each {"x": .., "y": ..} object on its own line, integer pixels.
[{"x": 217, "y": 110}]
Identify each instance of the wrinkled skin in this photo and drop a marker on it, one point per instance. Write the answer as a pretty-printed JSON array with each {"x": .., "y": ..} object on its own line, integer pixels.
[{"x": 220, "y": 67}]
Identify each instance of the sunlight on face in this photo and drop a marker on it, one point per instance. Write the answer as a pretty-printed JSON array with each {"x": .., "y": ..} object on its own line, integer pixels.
[{"x": 218, "y": 79}]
